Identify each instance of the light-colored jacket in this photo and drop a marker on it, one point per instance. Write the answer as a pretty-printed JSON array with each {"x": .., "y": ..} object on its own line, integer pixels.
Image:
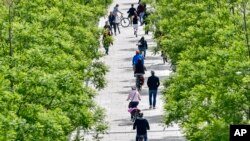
[{"x": 134, "y": 95}]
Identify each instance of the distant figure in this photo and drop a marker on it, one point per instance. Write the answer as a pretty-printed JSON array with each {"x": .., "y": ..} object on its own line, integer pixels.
[
  {"x": 116, "y": 10},
  {"x": 137, "y": 57},
  {"x": 142, "y": 46},
  {"x": 140, "y": 12},
  {"x": 135, "y": 24},
  {"x": 153, "y": 84},
  {"x": 131, "y": 13},
  {"x": 107, "y": 26},
  {"x": 111, "y": 18},
  {"x": 139, "y": 67},
  {"x": 141, "y": 125}
]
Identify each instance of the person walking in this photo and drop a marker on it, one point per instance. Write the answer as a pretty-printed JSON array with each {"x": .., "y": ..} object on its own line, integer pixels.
[
  {"x": 112, "y": 22},
  {"x": 153, "y": 84},
  {"x": 137, "y": 57},
  {"x": 117, "y": 23},
  {"x": 141, "y": 125},
  {"x": 140, "y": 12},
  {"x": 131, "y": 13},
  {"x": 135, "y": 24},
  {"x": 116, "y": 10},
  {"x": 142, "y": 46},
  {"x": 107, "y": 40},
  {"x": 134, "y": 96},
  {"x": 107, "y": 26}
]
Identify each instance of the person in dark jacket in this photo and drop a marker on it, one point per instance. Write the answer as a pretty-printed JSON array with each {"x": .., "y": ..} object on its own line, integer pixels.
[
  {"x": 112, "y": 22},
  {"x": 139, "y": 67},
  {"x": 141, "y": 125},
  {"x": 142, "y": 46},
  {"x": 153, "y": 84},
  {"x": 131, "y": 13}
]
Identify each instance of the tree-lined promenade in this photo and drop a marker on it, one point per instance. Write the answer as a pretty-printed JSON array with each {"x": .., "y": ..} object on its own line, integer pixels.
[{"x": 55, "y": 79}]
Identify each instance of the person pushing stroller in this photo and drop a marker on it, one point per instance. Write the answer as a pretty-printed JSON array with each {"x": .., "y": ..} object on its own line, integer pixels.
[{"x": 135, "y": 97}]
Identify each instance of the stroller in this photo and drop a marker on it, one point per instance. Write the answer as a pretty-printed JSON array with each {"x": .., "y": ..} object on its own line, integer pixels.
[{"x": 134, "y": 113}]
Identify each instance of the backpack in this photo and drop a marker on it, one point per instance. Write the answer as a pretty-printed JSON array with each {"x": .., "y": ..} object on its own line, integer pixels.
[{"x": 141, "y": 80}]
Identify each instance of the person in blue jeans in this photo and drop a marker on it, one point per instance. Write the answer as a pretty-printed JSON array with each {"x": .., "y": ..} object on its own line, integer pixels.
[
  {"x": 141, "y": 125},
  {"x": 153, "y": 84}
]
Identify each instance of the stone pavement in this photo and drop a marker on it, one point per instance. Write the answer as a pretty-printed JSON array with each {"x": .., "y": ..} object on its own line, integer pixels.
[{"x": 120, "y": 79}]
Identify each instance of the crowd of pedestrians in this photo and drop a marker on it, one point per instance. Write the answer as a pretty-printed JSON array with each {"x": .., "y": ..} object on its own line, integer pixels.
[{"x": 111, "y": 27}]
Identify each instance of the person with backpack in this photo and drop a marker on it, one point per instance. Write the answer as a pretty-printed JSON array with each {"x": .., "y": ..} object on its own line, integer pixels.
[
  {"x": 153, "y": 84},
  {"x": 137, "y": 57},
  {"x": 141, "y": 125},
  {"x": 139, "y": 67},
  {"x": 142, "y": 46}
]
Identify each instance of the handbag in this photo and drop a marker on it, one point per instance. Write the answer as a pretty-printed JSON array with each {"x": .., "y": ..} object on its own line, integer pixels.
[{"x": 131, "y": 102}]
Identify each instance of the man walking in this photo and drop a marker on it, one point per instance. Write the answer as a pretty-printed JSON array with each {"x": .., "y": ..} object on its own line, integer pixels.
[
  {"x": 153, "y": 84},
  {"x": 141, "y": 125},
  {"x": 142, "y": 46}
]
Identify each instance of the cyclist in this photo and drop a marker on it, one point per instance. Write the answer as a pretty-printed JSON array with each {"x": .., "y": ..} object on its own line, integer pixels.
[
  {"x": 131, "y": 13},
  {"x": 135, "y": 24}
]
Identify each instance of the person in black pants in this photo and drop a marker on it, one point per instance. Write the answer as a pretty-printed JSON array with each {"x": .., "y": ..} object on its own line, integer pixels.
[
  {"x": 112, "y": 22},
  {"x": 141, "y": 125},
  {"x": 153, "y": 84}
]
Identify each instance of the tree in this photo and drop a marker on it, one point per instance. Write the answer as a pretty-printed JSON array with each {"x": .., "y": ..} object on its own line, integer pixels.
[
  {"x": 49, "y": 48},
  {"x": 210, "y": 89}
]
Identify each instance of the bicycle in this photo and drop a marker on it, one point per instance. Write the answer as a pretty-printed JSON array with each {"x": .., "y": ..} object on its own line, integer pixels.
[{"x": 125, "y": 21}]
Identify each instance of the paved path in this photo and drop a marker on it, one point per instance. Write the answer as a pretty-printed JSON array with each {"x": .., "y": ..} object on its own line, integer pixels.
[{"x": 120, "y": 79}]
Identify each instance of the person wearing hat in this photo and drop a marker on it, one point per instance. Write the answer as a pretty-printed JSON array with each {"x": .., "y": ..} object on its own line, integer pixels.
[
  {"x": 141, "y": 125},
  {"x": 134, "y": 96},
  {"x": 153, "y": 84}
]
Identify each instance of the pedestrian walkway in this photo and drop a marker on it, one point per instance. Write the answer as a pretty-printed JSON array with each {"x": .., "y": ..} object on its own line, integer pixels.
[{"x": 120, "y": 79}]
